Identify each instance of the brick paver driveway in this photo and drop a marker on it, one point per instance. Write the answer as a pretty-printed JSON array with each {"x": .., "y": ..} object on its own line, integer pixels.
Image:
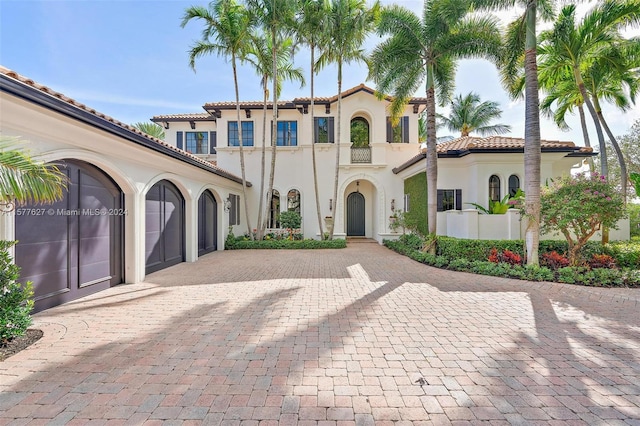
[{"x": 354, "y": 336}]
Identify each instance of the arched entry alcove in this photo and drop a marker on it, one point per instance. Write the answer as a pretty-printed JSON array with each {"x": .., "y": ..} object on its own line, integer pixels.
[
  {"x": 356, "y": 215},
  {"x": 165, "y": 225}
]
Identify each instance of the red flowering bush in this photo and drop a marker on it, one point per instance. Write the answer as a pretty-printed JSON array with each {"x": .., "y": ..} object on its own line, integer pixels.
[
  {"x": 554, "y": 260},
  {"x": 602, "y": 261},
  {"x": 507, "y": 256}
]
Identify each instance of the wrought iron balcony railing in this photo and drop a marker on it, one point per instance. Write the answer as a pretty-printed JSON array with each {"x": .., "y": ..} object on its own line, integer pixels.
[{"x": 361, "y": 154}]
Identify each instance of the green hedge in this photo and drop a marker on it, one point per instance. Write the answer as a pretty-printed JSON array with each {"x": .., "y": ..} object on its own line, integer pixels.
[
  {"x": 284, "y": 244},
  {"x": 451, "y": 255},
  {"x": 416, "y": 217}
]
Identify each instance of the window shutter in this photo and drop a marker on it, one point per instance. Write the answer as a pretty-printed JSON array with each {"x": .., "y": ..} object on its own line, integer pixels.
[
  {"x": 213, "y": 136},
  {"x": 458, "y": 199},
  {"x": 405, "y": 129},
  {"x": 440, "y": 199},
  {"x": 315, "y": 129},
  {"x": 237, "y": 210},
  {"x": 179, "y": 140},
  {"x": 331, "y": 136},
  {"x": 389, "y": 130}
]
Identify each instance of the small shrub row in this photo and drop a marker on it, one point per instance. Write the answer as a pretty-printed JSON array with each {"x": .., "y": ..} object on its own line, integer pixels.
[
  {"x": 16, "y": 300},
  {"x": 234, "y": 244},
  {"x": 601, "y": 277}
]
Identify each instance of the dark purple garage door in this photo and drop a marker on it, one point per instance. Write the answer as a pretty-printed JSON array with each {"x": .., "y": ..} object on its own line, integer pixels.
[
  {"x": 74, "y": 247},
  {"x": 207, "y": 223},
  {"x": 164, "y": 235}
]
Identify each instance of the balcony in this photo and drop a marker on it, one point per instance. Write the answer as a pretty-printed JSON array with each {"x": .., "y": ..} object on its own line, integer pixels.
[{"x": 361, "y": 155}]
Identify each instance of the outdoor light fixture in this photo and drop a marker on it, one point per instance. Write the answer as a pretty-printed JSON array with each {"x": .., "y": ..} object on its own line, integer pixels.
[
  {"x": 330, "y": 204},
  {"x": 393, "y": 204},
  {"x": 358, "y": 186},
  {"x": 227, "y": 205}
]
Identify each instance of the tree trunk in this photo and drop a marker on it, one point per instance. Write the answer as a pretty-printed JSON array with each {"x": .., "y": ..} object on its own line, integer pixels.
[
  {"x": 604, "y": 168},
  {"x": 313, "y": 145},
  {"x": 337, "y": 147},
  {"x": 242, "y": 167},
  {"x": 432, "y": 158},
  {"x": 265, "y": 97},
  {"x": 531, "y": 140},
  {"x": 274, "y": 127},
  {"x": 624, "y": 177},
  {"x": 585, "y": 135}
]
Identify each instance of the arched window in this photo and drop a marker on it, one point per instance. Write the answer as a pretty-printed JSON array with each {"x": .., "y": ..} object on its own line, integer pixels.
[
  {"x": 514, "y": 185},
  {"x": 494, "y": 188},
  {"x": 359, "y": 132},
  {"x": 274, "y": 210},
  {"x": 293, "y": 201}
]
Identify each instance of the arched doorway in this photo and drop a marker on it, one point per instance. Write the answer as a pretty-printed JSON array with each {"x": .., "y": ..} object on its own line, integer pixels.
[
  {"x": 207, "y": 223},
  {"x": 75, "y": 247},
  {"x": 164, "y": 235},
  {"x": 355, "y": 215}
]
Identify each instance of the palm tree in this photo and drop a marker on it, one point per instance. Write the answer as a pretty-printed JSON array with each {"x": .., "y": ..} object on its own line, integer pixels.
[
  {"x": 468, "y": 115},
  {"x": 309, "y": 30},
  {"x": 347, "y": 26},
  {"x": 259, "y": 55},
  {"x": 419, "y": 49},
  {"x": 227, "y": 29},
  {"x": 573, "y": 47},
  {"x": 521, "y": 50},
  {"x": 151, "y": 129},
  {"x": 24, "y": 179}
]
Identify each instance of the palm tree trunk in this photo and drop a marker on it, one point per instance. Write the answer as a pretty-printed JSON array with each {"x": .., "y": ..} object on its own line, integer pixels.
[
  {"x": 274, "y": 126},
  {"x": 337, "y": 147},
  {"x": 262, "y": 163},
  {"x": 242, "y": 167},
  {"x": 585, "y": 135},
  {"x": 531, "y": 139},
  {"x": 313, "y": 144},
  {"x": 604, "y": 168},
  {"x": 624, "y": 177},
  {"x": 432, "y": 158}
]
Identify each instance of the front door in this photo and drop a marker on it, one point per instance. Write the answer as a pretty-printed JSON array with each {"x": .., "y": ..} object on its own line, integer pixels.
[{"x": 355, "y": 215}]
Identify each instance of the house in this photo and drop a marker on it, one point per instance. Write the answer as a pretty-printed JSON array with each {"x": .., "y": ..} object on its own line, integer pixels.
[{"x": 136, "y": 204}]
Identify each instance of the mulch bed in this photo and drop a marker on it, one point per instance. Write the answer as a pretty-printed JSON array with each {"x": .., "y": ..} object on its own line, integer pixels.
[{"x": 19, "y": 343}]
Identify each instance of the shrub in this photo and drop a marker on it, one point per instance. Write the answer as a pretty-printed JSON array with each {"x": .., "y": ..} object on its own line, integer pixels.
[
  {"x": 507, "y": 256},
  {"x": 15, "y": 299},
  {"x": 412, "y": 240},
  {"x": 290, "y": 220},
  {"x": 287, "y": 244},
  {"x": 455, "y": 248},
  {"x": 602, "y": 261},
  {"x": 554, "y": 260}
]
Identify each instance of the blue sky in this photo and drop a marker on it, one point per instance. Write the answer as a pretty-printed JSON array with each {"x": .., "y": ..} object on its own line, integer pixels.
[{"x": 129, "y": 59}]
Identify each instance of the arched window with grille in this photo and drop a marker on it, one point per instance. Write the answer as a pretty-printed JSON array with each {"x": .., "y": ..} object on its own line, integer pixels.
[
  {"x": 514, "y": 185},
  {"x": 494, "y": 188}
]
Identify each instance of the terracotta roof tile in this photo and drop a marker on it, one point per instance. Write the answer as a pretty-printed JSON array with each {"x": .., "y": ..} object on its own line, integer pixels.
[
  {"x": 502, "y": 142},
  {"x": 193, "y": 116},
  {"x": 29, "y": 82}
]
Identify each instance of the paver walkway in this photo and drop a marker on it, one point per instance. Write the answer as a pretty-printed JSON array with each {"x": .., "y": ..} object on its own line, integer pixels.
[{"x": 355, "y": 336}]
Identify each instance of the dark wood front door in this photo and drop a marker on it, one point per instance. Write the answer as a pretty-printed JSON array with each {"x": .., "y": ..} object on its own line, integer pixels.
[
  {"x": 164, "y": 220},
  {"x": 207, "y": 223},
  {"x": 355, "y": 215},
  {"x": 74, "y": 247}
]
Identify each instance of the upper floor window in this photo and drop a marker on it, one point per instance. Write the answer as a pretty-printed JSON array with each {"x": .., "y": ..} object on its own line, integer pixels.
[
  {"x": 247, "y": 133},
  {"x": 287, "y": 133},
  {"x": 514, "y": 185},
  {"x": 323, "y": 130},
  {"x": 197, "y": 142},
  {"x": 398, "y": 133},
  {"x": 494, "y": 188},
  {"x": 359, "y": 132}
]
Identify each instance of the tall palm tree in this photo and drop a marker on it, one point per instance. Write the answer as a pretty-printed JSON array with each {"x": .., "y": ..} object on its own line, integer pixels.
[
  {"x": 426, "y": 48},
  {"x": 521, "y": 49},
  {"x": 24, "y": 179},
  {"x": 309, "y": 30},
  {"x": 260, "y": 56},
  {"x": 468, "y": 115},
  {"x": 574, "y": 47},
  {"x": 226, "y": 31},
  {"x": 152, "y": 129},
  {"x": 347, "y": 26}
]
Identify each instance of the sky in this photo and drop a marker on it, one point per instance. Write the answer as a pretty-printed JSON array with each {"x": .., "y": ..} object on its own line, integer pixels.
[{"x": 129, "y": 59}]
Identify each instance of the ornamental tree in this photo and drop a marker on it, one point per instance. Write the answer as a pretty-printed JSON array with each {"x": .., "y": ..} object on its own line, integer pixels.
[{"x": 578, "y": 206}]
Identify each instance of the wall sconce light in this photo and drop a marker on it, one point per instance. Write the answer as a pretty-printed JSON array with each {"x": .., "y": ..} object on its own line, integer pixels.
[
  {"x": 330, "y": 204},
  {"x": 227, "y": 205},
  {"x": 358, "y": 186},
  {"x": 393, "y": 204}
]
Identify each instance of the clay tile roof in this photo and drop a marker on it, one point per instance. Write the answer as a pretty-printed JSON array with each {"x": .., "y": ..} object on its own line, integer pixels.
[
  {"x": 198, "y": 116},
  {"x": 44, "y": 89}
]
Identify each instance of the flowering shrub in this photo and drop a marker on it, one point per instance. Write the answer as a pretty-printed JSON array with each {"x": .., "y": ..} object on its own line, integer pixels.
[
  {"x": 577, "y": 207},
  {"x": 602, "y": 261},
  {"x": 15, "y": 299},
  {"x": 554, "y": 260},
  {"x": 507, "y": 256}
]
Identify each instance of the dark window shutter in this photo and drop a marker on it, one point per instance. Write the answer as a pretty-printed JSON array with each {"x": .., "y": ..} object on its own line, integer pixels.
[
  {"x": 237, "y": 210},
  {"x": 271, "y": 141},
  {"x": 315, "y": 129},
  {"x": 405, "y": 129},
  {"x": 440, "y": 199},
  {"x": 213, "y": 136},
  {"x": 389, "y": 130},
  {"x": 179, "y": 140},
  {"x": 332, "y": 138},
  {"x": 458, "y": 199}
]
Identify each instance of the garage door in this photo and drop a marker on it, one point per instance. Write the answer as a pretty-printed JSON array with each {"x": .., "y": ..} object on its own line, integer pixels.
[
  {"x": 207, "y": 223},
  {"x": 164, "y": 239},
  {"x": 74, "y": 247}
]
